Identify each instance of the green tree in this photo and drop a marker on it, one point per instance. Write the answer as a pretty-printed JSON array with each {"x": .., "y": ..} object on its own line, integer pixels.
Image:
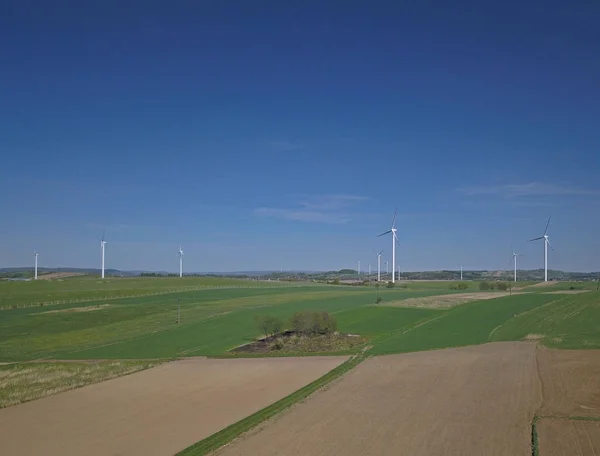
[{"x": 484, "y": 286}]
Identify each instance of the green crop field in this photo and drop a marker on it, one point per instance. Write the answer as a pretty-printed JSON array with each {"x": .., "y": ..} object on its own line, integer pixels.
[{"x": 217, "y": 315}]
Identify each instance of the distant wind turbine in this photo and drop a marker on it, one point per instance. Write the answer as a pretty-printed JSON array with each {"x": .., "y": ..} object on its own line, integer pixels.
[
  {"x": 387, "y": 269},
  {"x": 394, "y": 240},
  {"x": 378, "y": 265},
  {"x": 358, "y": 270},
  {"x": 369, "y": 268},
  {"x": 546, "y": 244},
  {"x": 180, "y": 253},
  {"x": 461, "y": 271},
  {"x": 102, "y": 244},
  {"x": 36, "y": 264},
  {"x": 515, "y": 255}
]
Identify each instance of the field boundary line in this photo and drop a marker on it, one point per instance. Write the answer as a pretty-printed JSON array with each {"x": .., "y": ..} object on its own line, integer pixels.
[{"x": 230, "y": 433}]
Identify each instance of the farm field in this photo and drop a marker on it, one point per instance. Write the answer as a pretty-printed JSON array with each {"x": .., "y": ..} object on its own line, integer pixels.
[
  {"x": 467, "y": 401},
  {"x": 564, "y": 437},
  {"x": 156, "y": 412}
]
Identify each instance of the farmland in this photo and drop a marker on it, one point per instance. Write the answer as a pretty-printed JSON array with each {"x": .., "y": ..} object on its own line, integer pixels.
[{"x": 125, "y": 325}]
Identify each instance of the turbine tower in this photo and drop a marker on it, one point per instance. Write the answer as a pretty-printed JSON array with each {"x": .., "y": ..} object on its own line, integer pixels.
[
  {"x": 180, "y": 253},
  {"x": 394, "y": 240},
  {"x": 378, "y": 265},
  {"x": 461, "y": 270},
  {"x": 515, "y": 255},
  {"x": 387, "y": 268},
  {"x": 369, "y": 268},
  {"x": 546, "y": 244},
  {"x": 102, "y": 244},
  {"x": 358, "y": 270},
  {"x": 36, "y": 263}
]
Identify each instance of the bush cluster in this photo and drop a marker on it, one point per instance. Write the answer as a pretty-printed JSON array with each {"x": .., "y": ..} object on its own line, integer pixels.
[
  {"x": 305, "y": 323},
  {"x": 459, "y": 286},
  {"x": 502, "y": 286}
]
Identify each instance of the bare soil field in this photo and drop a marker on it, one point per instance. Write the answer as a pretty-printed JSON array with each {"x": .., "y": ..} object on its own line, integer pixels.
[
  {"x": 445, "y": 301},
  {"x": 461, "y": 401},
  {"x": 159, "y": 411},
  {"x": 59, "y": 275},
  {"x": 570, "y": 382},
  {"x": 563, "y": 437}
]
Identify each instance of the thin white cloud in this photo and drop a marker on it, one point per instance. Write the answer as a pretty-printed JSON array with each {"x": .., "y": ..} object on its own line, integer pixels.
[
  {"x": 335, "y": 208},
  {"x": 530, "y": 189}
]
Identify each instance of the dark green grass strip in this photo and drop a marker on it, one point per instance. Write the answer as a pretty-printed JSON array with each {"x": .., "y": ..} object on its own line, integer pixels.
[
  {"x": 226, "y": 435},
  {"x": 535, "y": 448}
]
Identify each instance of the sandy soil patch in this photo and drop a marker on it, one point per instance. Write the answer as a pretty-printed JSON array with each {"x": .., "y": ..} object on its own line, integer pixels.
[
  {"x": 570, "y": 382},
  {"x": 567, "y": 292},
  {"x": 155, "y": 412},
  {"x": 562, "y": 437},
  {"x": 59, "y": 275},
  {"x": 445, "y": 301},
  {"x": 464, "y": 401},
  {"x": 77, "y": 309}
]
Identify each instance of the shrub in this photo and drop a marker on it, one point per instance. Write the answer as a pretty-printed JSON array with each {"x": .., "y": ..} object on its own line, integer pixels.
[
  {"x": 378, "y": 300},
  {"x": 492, "y": 286},
  {"x": 484, "y": 286},
  {"x": 502, "y": 286},
  {"x": 311, "y": 323},
  {"x": 390, "y": 285}
]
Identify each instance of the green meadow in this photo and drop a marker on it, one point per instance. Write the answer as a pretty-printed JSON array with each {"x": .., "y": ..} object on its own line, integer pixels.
[{"x": 216, "y": 315}]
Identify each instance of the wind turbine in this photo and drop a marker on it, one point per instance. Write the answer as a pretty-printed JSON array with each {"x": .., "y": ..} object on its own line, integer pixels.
[
  {"x": 546, "y": 244},
  {"x": 102, "y": 244},
  {"x": 36, "y": 263},
  {"x": 369, "y": 268},
  {"x": 515, "y": 255},
  {"x": 394, "y": 240},
  {"x": 378, "y": 265},
  {"x": 461, "y": 271},
  {"x": 358, "y": 270},
  {"x": 180, "y": 253},
  {"x": 387, "y": 269}
]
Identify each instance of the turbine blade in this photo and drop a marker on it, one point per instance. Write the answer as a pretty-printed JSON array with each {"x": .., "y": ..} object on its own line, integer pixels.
[
  {"x": 536, "y": 239},
  {"x": 380, "y": 253},
  {"x": 383, "y": 234},
  {"x": 546, "y": 230},
  {"x": 394, "y": 219},
  {"x": 550, "y": 245}
]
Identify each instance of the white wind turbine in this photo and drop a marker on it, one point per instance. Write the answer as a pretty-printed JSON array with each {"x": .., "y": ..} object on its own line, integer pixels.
[
  {"x": 102, "y": 244},
  {"x": 394, "y": 240},
  {"x": 358, "y": 270},
  {"x": 378, "y": 265},
  {"x": 180, "y": 253},
  {"x": 515, "y": 255},
  {"x": 546, "y": 244},
  {"x": 36, "y": 264}
]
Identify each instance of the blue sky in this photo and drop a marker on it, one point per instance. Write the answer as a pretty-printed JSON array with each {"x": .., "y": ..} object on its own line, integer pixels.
[{"x": 262, "y": 135}]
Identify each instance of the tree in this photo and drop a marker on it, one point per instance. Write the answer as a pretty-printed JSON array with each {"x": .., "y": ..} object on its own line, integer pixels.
[
  {"x": 390, "y": 285},
  {"x": 502, "y": 286},
  {"x": 265, "y": 324},
  {"x": 484, "y": 286},
  {"x": 276, "y": 326}
]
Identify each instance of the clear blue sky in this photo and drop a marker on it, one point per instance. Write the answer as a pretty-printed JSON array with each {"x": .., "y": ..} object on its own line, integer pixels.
[{"x": 262, "y": 135}]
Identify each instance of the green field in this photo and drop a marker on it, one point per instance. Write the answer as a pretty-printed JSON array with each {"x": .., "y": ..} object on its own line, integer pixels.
[{"x": 217, "y": 315}]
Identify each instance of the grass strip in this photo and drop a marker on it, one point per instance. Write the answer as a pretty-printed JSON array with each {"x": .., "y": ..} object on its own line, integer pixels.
[
  {"x": 535, "y": 448},
  {"x": 226, "y": 435}
]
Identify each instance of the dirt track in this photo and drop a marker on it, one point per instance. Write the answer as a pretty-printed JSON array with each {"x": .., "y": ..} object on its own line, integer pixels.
[
  {"x": 156, "y": 412},
  {"x": 464, "y": 401},
  {"x": 562, "y": 437},
  {"x": 570, "y": 382}
]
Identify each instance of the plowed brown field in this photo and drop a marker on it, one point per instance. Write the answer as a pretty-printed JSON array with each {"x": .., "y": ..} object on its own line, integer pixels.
[
  {"x": 463, "y": 401},
  {"x": 563, "y": 437},
  {"x": 570, "y": 382},
  {"x": 156, "y": 412}
]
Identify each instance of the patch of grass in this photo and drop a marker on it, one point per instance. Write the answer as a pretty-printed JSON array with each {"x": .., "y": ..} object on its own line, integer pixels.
[
  {"x": 28, "y": 381},
  {"x": 468, "y": 324},
  {"x": 568, "y": 321},
  {"x": 226, "y": 435},
  {"x": 535, "y": 446}
]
